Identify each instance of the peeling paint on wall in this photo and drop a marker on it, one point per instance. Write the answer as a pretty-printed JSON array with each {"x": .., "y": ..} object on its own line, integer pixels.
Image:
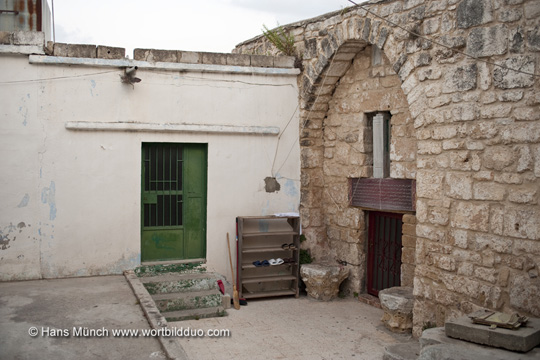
[
  {"x": 290, "y": 188},
  {"x": 6, "y": 235},
  {"x": 48, "y": 197},
  {"x": 92, "y": 87},
  {"x": 23, "y": 110},
  {"x": 24, "y": 202}
]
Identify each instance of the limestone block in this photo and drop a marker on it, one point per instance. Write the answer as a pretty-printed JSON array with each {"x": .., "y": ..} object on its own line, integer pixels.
[
  {"x": 510, "y": 15},
  {"x": 507, "y": 79},
  {"x": 522, "y": 222},
  {"x": 397, "y": 304},
  {"x": 496, "y": 222},
  {"x": 521, "y": 133},
  {"x": 459, "y": 238},
  {"x": 532, "y": 9},
  {"x": 462, "y": 78},
  {"x": 488, "y": 41},
  {"x": 508, "y": 178},
  {"x": 323, "y": 280},
  {"x": 523, "y": 196},
  {"x": 459, "y": 185},
  {"x": 429, "y": 184},
  {"x": 474, "y": 12},
  {"x": 498, "y": 244},
  {"x": 471, "y": 216},
  {"x": 527, "y": 114},
  {"x": 533, "y": 39},
  {"x": 489, "y": 191}
]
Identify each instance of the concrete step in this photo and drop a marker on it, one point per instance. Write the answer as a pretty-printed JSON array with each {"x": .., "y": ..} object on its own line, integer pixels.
[
  {"x": 404, "y": 351},
  {"x": 177, "y": 268},
  {"x": 187, "y": 300},
  {"x": 195, "y": 314},
  {"x": 174, "y": 283}
]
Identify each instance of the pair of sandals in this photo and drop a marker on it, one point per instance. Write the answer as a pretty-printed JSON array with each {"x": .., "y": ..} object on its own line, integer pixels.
[
  {"x": 288, "y": 247},
  {"x": 272, "y": 262}
]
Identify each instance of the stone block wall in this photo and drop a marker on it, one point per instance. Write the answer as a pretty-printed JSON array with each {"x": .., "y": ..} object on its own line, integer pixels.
[{"x": 477, "y": 126}]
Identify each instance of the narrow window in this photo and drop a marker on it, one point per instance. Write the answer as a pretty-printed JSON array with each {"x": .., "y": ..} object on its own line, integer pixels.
[
  {"x": 376, "y": 56},
  {"x": 381, "y": 145}
]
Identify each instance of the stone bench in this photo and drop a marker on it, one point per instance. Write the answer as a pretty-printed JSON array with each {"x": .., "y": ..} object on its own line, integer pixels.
[
  {"x": 397, "y": 304},
  {"x": 323, "y": 280}
]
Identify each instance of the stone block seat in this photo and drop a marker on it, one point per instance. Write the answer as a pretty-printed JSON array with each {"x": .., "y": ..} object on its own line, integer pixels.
[
  {"x": 323, "y": 280},
  {"x": 397, "y": 303}
]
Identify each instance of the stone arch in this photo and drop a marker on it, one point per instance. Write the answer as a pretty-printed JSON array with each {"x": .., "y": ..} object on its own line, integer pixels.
[{"x": 337, "y": 50}]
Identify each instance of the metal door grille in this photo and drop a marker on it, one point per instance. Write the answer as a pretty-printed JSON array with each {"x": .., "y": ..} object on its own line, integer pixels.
[
  {"x": 384, "y": 251},
  {"x": 162, "y": 177}
]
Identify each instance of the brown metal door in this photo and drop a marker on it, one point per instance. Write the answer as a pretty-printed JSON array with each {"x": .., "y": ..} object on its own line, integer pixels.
[{"x": 384, "y": 251}]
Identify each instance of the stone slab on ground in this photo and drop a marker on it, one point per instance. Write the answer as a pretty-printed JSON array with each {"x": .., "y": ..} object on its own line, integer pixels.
[
  {"x": 435, "y": 345},
  {"x": 523, "y": 339}
]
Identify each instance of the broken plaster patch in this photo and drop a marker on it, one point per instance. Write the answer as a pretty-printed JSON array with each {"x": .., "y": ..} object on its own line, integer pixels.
[{"x": 271, "y": 185}]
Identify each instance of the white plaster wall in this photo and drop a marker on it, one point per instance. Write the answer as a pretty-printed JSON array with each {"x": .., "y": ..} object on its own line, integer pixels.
[{"x": 71, "y": 199}]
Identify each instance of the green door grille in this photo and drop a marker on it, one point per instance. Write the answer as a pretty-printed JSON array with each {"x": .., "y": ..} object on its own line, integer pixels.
[{"x": 162, "y": 196}]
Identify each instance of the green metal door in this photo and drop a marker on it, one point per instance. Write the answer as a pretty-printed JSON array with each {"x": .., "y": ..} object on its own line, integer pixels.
[{"x": 173, "y": 211}]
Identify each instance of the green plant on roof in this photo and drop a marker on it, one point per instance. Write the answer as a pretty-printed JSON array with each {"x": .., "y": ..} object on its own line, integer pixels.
[{"x": 283, "y": 41}]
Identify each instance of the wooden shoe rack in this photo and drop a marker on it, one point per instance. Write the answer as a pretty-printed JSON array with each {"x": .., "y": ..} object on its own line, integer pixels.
[{"x": 261, "y": 238}]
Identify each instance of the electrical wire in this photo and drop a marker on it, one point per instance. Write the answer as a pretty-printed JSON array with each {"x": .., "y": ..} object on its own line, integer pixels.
[{"x": 56, "y": 78}]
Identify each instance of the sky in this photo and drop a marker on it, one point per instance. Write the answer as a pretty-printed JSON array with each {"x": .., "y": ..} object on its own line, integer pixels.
[{"x": 208, "y": 25}]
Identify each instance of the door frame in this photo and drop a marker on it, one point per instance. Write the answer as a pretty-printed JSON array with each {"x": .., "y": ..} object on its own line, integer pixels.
[
  {"x": 189, "y": 152},
  {"x": 372, "y": 243}
]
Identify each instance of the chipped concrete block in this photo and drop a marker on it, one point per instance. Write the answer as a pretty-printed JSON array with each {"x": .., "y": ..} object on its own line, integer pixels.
[
  {"x": 214, "y": 58},
  {"x": 108, "y": 52},
  {"x": 238, "y": 60},
  {"x": 189, "y": 57},
  {"x": 284, "y": 61},
  {"x": 262, "y": 61},
  {"x": 28, "y": 38}
]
